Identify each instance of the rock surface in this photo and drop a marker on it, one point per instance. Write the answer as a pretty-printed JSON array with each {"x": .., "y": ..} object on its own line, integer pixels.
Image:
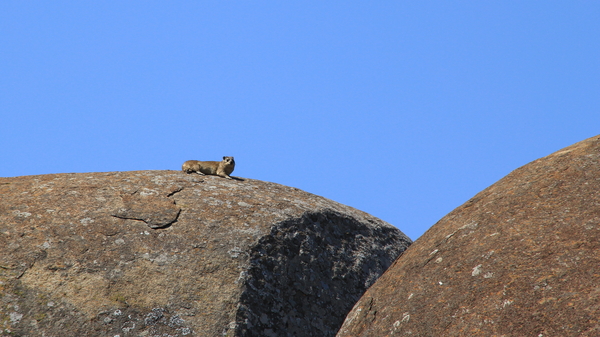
[
  {"x": 521, "y": 258},
  {"x": 157, "y": 253}
]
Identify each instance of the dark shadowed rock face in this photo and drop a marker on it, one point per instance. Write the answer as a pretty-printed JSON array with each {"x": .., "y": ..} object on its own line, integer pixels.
[
  {"x": 302, "y": 269},
  {"x": 522, "y": 258},
  {"x": 157, "y": 253}
]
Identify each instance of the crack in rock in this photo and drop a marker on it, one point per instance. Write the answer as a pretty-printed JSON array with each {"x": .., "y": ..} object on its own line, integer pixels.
[{"x": 155, "y": 211}]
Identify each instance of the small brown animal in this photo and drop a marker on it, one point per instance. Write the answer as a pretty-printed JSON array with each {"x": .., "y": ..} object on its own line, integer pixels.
[{"x": 219, "y": 168}]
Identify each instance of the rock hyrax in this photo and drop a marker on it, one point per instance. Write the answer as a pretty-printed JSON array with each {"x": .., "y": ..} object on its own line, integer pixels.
[{"x": 219, "y": 168}]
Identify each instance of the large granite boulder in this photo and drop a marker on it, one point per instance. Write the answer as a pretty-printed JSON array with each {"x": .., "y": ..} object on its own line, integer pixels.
[
  {"x": 521, "y": 258},
  {"x": 164, "y": 253}
]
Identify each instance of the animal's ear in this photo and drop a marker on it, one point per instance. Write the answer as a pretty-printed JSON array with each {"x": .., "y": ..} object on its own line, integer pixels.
[{"x": 224, "y": 157}]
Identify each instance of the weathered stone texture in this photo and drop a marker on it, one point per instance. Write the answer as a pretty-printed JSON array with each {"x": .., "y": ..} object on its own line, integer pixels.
[
  {"x": 157, "y": 253},
  {"x": 521, "y": 258}
]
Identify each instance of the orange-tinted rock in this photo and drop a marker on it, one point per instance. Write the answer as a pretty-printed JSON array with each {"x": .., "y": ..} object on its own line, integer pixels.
[
  {"x": 521, "y": 258},
  {"x": 157, "y": 253}
]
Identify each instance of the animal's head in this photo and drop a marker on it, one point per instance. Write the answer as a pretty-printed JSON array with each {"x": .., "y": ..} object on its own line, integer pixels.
[{"x": 228, "y": 160}]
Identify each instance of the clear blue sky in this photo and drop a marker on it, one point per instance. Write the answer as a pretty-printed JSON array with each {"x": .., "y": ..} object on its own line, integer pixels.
[{"x": 403, "y": 109}]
